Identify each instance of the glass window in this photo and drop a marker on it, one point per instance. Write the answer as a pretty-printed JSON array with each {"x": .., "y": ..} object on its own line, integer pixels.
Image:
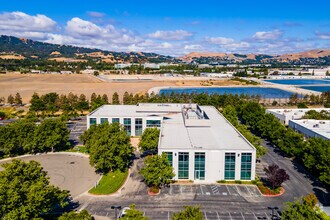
[
  {"x": 138, "y": 126},
  {"x": 153, "y": 123},
  {"x": 199, "y": 166},
  {"x": 115, "y": 120},
  {"x": 183, "y": 171},
  {"x": 104, "y": 120},
  {"x": 170, "y": 157},
  {"x": 246, "y": 163},
  {"x": 92, "y": 121},
  {"x": 230, "y": 166},
  {"x": 127, "y": 125}
]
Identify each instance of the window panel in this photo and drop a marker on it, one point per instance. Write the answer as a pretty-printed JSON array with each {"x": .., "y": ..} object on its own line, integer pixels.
[
  {"x": 246, "y": 164},
  {"x": 230, "y": 166},
  {"x": 92, "y": 121},
  {"x": 104, "y": 120},
  {"x": 183, "y": 171}
]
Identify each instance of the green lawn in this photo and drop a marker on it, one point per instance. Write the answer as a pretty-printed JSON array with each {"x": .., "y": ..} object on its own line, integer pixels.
[{"x": 110, "y": 183}]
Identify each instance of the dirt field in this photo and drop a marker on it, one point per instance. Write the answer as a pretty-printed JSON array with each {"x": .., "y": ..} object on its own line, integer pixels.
[{"x": 27, "y": 84}]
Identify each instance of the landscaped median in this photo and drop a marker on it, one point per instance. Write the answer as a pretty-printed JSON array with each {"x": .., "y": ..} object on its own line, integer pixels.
[{"x": 110, "y": 183}]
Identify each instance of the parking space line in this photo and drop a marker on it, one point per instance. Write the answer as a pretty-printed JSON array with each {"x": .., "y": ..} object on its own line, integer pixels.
[
  {"x": 266, "y": 215},
  {"x": 242, "y": 216},
  {"x": 181, "y": 189},
  {"x": 247, "y": 188},
  {"x": 205, "y": 215},
  {"x": 168, "y": 215},
  {"x": 254, "y": 215},
  {"x": 230, "y": 215},
  {"x": 218, "y": 215},
  {"x": 201, "y": 189}
]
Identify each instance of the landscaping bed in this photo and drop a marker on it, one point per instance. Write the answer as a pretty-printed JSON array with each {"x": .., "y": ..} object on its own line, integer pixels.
[{"x": 110, "y": 183}]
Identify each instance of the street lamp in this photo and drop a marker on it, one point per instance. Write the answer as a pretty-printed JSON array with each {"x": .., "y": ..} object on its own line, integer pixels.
[
  {"x": 116, "y": 208},
  {"x": 273, "y": 208}
]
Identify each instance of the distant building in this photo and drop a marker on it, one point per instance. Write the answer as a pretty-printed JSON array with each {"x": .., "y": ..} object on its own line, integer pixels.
[
  {"x": 66, "y": 72},
  {"x": 151, "y": 66},
  {"x": 122, "y": 65},
  {"x": 201, "y": 145},
  {"x": 201, "y": 66},
  {"x": 218, "y": 75},
  {"x": 312, "y": 128},
  {"x": 284, "y": 115}
]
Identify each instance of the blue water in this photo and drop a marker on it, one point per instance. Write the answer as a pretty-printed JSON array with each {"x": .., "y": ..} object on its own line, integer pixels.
[
  {"x": 263, "y": 92},
  {"x": 317, "y": 88},
  {"x": 298, "y": 81}
]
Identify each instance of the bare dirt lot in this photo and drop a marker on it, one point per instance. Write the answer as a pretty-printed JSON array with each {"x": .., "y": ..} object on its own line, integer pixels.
[
  {"x": 68, "y": 171},
  {"x": 27, "y": 84}
]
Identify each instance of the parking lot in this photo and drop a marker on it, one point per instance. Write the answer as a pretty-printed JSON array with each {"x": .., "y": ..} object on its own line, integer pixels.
[
  {"x": 216, "y": 190},
  {"x": 77, "y": 127}
]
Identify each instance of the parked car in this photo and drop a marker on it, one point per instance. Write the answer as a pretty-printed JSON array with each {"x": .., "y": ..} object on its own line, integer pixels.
[{"x": 122, "y": 212}]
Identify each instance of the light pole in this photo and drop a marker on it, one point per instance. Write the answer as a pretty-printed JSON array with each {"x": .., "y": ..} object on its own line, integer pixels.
[
  {"x": 116, "y": 208},
  {"x": 273, "y": 208}
]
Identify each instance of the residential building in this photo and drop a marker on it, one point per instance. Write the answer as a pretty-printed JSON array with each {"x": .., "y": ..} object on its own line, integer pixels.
[
  {"x": 200, "y": 143},
  {"x": 122, "y": 65}
]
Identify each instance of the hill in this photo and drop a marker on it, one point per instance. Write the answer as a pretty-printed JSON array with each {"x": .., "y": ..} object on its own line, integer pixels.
[
  {"x": 318, "y": 56},
  {"x": 12, "y": 47}
]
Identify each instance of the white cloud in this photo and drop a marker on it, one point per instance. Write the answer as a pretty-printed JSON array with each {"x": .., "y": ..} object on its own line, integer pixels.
[
  {"x": 95, "y": 14},
  {"x": 220, "y": 40},
  {"x": 323, "y": 36},
  {"x": 267, "y": 35},
  {"x": 171, "y": 35},
  {"x": 19, "y": 21},
  {"x": 193, "y": 47}
]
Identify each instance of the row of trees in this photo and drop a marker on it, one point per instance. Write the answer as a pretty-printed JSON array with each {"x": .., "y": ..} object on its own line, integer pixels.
[
  {"x": 323, "y": 99},
  {"x": 25, "y": 136},
  {"x": 12, "y": 100},
  {"x": 314, "y": 153}
]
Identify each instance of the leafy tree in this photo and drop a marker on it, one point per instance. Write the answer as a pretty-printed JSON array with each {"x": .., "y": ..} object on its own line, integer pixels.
[
  {"x": 10, "y": 99},
  {"x": 2, "y": 100},
  {"x": 83, "y": 215},
  {"x": 82, "y": 103},
  {"x": 36, "y": 103},
  {"x": 105, "y": 99},
  {"x": 51, "y": 135},
  {"x": 134, "y": 214},
  {"x": 275, "y": 175},
  {"x": 93, "y": 97},
  {"x": 189, "y": 213},
  {"x": 50, "y": 101},
  {"x": 18, "y": 99},
  {"x": 304, "y": 209},
  {"x": 115, "y": 99},
  {"x": 126, "y": 98},
  {"x": 25, "y": 191},
  {"x": 109, "y": 146},
  {"x": 157, "y": 170},
  {"x": 149, "y": 139}
]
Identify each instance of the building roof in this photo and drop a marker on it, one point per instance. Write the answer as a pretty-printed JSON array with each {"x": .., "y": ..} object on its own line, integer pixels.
[
  {"x": 184, "y": 126},
  {"x": 321, "y": 127},
  {"x": 219, "y": 135}
]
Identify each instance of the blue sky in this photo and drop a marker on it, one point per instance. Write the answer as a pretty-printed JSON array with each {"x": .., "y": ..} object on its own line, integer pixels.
[{"x": 173, "y": 27}]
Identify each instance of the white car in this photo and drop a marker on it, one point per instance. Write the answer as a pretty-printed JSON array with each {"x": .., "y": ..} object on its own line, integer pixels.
[{"x": 122, "y": 212}]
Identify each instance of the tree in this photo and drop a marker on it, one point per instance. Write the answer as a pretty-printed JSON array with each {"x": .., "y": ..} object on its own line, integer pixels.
[
  {"x": 115, "y": 99},
  {"x": 126, "y": 98},
  {"x": 83, "y": 215},
  {"x": 133, "y": 214},
  {"x": 36, "y": 103},
  {"x": 25, "y": 191},
  {"x": 149, "y": 139},
  {"x": 304, "y": 209},
  {"x": 51, "y": 135},
  {"x": 2, "y": 100},
  {"x": 275, "y": 176},
  {"x": 189, "y": 213},
  {"x": 18, "y": 99},
  {"x": 82, "y": 103},
  {"x": 10, "y": 99},
  {"x": 105, "y": 99},
  {"x": 157, "y": 171},
  {"x": 93, "y": 97},
  {"x": 109, "y": 146}
]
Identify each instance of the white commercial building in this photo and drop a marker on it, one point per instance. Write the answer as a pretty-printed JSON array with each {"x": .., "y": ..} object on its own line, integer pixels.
[
  {"x": 311, "y": 128},
  {"x": 284, "y": 115},
  {"x": 200, "y": 143},
  {"x": 122, "y": 65}
]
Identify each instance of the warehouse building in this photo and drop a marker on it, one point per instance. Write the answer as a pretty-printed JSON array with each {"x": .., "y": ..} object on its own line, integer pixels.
[{"x": 200, "y": 143}]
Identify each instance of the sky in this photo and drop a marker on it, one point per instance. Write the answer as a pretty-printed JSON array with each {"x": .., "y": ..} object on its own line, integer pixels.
[{"x": 173, "y": 27}]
